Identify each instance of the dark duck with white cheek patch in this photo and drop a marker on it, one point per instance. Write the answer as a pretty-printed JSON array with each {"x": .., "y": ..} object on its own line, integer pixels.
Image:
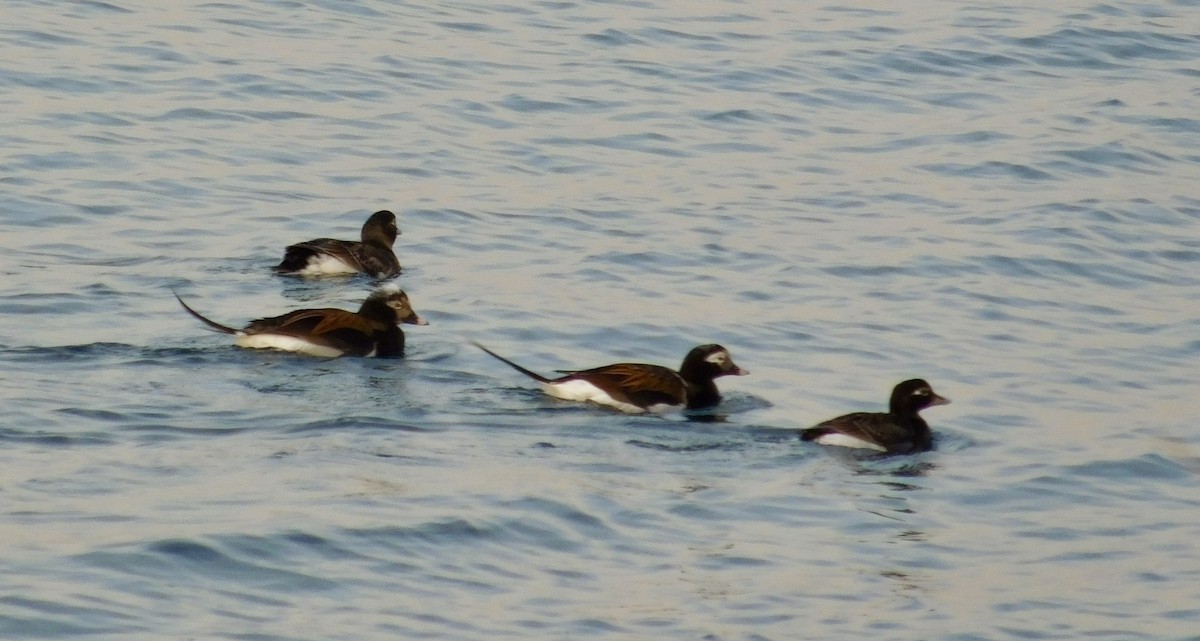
[
  {"x": 372, "y": 255},
  {"x": 900, "y": 431},
  {"x": 327, "y": 332},
  {"x": 637, "y": 387}
]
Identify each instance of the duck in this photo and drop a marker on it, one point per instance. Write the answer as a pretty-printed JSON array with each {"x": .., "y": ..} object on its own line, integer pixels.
[
  {"x": 900, "y": 430},
  {"x": 637, "y": 388},
  {"x": 371, "y": 331},
  {"x": 371, "y": 255}
]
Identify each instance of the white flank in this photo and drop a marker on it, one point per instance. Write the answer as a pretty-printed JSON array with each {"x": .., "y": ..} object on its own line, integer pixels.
[
  {"x": 325, "y": 265},
  {"x": 848, "y": 441},
  {"x": 285, "y": 343},
  {"x": 578, "y": 390}
]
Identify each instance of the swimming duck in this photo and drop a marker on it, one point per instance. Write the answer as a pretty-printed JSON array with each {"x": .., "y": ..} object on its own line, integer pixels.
[
  {"x": 636, "y": 387},
  {"x": 899, "y": 431},
  {"x": 372, "y": 255},
  {"x": 371, "y": 331}
]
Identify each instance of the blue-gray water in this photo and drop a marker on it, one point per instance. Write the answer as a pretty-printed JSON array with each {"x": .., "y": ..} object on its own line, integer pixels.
[{"x": 1001, "y": 198}]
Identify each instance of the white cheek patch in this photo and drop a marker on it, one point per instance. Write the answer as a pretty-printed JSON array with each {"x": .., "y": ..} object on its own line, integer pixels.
[
  {"x": 286, "y": 344},
  {"x": 717, "y": 358},
  {"x": 580, "y": 390},
  {"x": 843, "y": 440}
]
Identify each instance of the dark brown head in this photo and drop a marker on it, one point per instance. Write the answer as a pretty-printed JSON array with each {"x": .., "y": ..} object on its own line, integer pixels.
[
  {"x": 392, "y": 298},
  {"x": 912, "y": 396},
  {"x": 706, "y": 362},
  {"x": 380, "y": 228}
]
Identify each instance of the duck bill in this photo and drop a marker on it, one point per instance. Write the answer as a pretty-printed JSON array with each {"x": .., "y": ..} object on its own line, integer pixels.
[
  {"x": 738, "y": 371},
  {"x": 414, "y": 320},
  {"x": 939, "y": 400}
]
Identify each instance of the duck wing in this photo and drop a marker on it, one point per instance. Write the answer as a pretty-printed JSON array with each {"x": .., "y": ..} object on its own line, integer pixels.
[
  {"x": 873, "y": 428},
  {"x": 635, "y": 383},
  {"x": 336, "y": 328},
  {"x": 296, "y": 258},
  {"x": 373, "y": 259}
]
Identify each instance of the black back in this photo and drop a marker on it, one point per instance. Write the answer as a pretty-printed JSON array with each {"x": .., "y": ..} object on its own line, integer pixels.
[{"x": 900, "y": 430}]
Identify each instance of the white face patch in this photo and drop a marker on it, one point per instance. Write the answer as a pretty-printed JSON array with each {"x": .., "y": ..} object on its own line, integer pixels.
[{"x": 717, "y": 358}]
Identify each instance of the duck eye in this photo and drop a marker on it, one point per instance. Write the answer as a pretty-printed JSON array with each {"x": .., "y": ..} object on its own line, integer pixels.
[{"x": 924, "y": 391}]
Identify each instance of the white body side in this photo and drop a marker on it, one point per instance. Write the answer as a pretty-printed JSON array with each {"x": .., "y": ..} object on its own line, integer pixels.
[
  {"x": 285, "y": 343},
  {"x": 848, "y": 441},
  {"x": 326, "y": 265},
  {"x": 578, "y": 390}
]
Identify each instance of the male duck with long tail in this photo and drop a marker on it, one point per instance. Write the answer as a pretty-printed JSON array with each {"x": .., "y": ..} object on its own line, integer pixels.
[
  {"x": 638, "y": 387},
  {"x": 371, "y": 331}
]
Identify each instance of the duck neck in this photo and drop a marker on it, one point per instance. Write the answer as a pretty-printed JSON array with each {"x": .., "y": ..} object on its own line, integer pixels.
[
  {"x": 377, "y": 237},
  {"x": 702, "y": 394},
  {"x": 701, "y": 387},
  {"x": 378, "y": 310},
  {"x": 922, "y": 436},
  {"x": 917, "y": 428}
]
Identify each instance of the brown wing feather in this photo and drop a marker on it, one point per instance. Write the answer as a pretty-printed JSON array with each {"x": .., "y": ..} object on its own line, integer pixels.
[
  {"x": 873, "y": 427},
  {"x": 374, "y": 259},
  {"x": 865, "y": 425},
  {"x": 312, "y": 322},
  {"x": 342, "y": 250},
  {"x": 643, "y": 385},
  {"x": 341, "y": 319}
]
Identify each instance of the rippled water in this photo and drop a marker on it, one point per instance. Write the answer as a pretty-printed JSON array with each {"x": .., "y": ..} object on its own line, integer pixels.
[{"x": 1000, "y": 198}]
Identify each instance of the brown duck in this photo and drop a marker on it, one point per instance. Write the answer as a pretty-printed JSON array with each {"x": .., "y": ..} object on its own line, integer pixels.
[
  {"x": 328, "y": 332},
  {"x": 372, "y": 255},
  {"x": 637, "y": 387},
  {"x": 900, "y": 430}
]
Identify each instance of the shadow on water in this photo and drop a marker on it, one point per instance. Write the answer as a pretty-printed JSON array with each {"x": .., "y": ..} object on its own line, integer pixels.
[
  {"x": 71, "y": 353},
  {"x": 356, "y": 423},
  {"x": 53, "y": 439},
  {"x": 247, "y": 560},
  {"x": 708, "y": 434},
  {"x": 309, "y": 290}
]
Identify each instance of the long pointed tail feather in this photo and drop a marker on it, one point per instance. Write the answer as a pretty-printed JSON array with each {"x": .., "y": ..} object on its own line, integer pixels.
[
  {"x": 534, "y": 375},
  {"x": 212, "y": 324}
]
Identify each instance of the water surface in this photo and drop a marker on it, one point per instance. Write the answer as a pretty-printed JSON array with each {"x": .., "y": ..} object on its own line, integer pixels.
[{"x": 999, "y": 198}]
